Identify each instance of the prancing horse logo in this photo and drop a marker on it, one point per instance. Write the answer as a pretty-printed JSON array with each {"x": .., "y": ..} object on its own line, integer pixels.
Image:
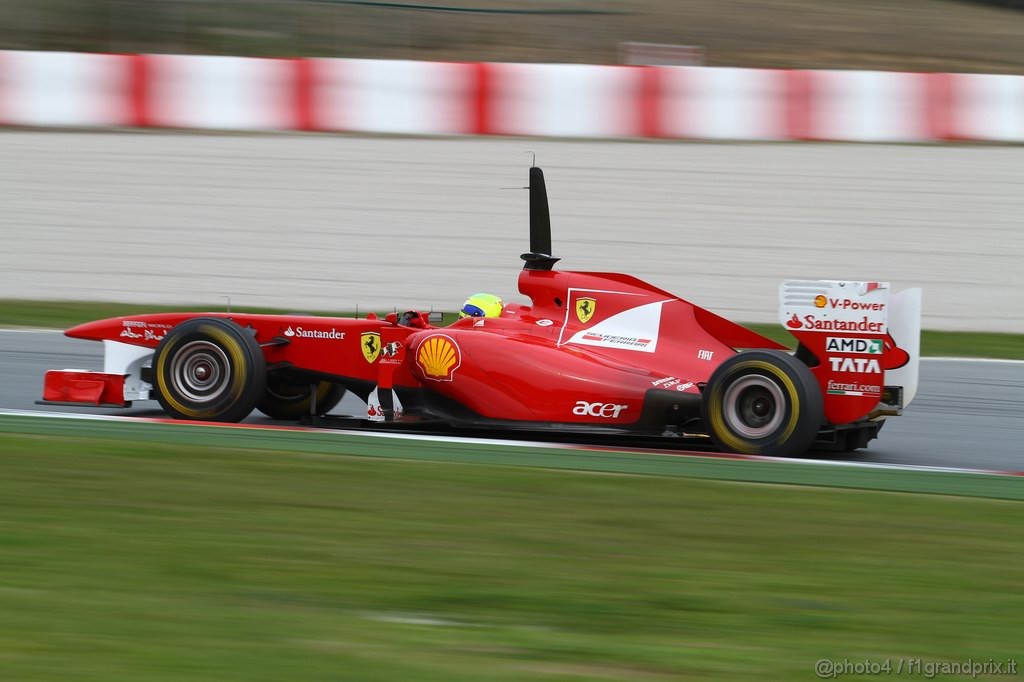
[
  {"x": 585, "y": 308},
  {"x": 370, "y": 343}
]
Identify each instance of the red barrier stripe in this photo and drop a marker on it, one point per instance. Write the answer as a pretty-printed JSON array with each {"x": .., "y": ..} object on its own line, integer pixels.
[
  {"x": 939, "y": 105},
  {"x": 138, "y": 90},
  {"x": 482, "y": 123},
  {"x": 798, "y": 105},
  {"x": 650, "y": 102},
  {"x": 304, "y": 77}
]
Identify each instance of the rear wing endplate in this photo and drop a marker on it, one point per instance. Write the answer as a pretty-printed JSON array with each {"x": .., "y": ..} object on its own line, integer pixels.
[{"x": 864, "y": 339}]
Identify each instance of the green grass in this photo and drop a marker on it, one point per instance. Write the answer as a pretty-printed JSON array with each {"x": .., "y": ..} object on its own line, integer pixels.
[
  {"x": 139, "y": 560},
  {"x": 62, "y": 314}
]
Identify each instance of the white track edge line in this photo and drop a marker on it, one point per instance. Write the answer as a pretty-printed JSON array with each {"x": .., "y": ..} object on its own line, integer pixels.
[
  {"x": 523, "y": 444},
  {"x": 1004, "y": 361}
]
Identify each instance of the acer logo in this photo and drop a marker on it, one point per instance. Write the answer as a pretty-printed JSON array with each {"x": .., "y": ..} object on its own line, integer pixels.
[
  {"x": 863, "y": 365},
  {"x": 603, "y": 410}
]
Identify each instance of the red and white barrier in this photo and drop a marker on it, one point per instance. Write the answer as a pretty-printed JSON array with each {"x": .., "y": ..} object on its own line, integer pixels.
[
  {"x": 723, "y": 103},
  {"x": 563, "y": 100},
  {"x": 553, "y": 100},
  {"x": 380, "y": 96},
  {"x": 64, "y": 89},
  {"x": 869, "y": 106},
  {"x": 988, "y": 107},
  {"x": 222, "y": 93}
]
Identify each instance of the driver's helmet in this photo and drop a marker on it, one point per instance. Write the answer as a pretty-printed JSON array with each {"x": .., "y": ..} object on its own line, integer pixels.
[{"x": 482, "y": 305}]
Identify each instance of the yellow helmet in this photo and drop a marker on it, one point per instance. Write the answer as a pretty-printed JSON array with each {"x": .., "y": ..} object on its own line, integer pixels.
[{"x": 482, "y": 305}]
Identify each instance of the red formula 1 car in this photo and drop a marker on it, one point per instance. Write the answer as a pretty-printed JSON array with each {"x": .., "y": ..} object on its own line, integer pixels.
[{"x": 595, "y": 353}]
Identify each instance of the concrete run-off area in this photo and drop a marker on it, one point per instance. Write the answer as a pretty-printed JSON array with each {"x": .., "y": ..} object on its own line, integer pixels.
[{"x": 319, "y": 222}]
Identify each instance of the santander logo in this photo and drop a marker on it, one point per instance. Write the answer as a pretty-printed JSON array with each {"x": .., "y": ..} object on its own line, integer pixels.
[
  {"x": 811, "y": 323},
  {"x": 314, "y": 333}
]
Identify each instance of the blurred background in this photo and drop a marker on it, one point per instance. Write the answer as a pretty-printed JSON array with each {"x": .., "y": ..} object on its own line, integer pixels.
[
  {"x": 924, "y": 72},
  {"x": 921, "y": 35},
  {"x": 128, "y": 177}
]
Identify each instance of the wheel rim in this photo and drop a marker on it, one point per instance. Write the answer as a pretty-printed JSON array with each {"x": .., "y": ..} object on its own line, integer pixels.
[
  {"x": 754, "y": 407},
  {"x": 200, "y": 371}
]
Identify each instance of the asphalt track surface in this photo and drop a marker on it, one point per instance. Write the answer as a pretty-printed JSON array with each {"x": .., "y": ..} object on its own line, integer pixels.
[
  {"x": 967, "y": 413},
  {"x": 329, "y": 222}
]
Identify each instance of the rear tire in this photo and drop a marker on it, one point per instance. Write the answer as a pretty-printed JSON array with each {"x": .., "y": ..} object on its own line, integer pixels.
[
  {"x": 209, "y": 369},
  {"x": 291, "y": 399},
  {"x": 763, "y": 402}
]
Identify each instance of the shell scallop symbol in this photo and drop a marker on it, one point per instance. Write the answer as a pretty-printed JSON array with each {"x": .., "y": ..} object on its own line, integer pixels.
[{"x": 439, "y": 357}]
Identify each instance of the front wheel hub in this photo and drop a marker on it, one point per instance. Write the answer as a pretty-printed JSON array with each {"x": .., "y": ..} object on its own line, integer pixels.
[{"x": 200, "y": 371}]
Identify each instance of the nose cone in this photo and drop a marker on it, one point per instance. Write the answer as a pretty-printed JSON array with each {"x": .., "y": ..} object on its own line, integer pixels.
[{"x": 96, "y": 331}]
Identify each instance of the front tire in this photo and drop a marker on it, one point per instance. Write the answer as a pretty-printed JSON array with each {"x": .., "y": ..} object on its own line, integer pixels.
[
  {"x": 763, "y": 402},
  {"x": 209, "y": 369}
]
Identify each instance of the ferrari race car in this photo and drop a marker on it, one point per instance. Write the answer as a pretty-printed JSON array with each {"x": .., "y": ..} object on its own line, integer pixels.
[{"x": 594, "y": 353}]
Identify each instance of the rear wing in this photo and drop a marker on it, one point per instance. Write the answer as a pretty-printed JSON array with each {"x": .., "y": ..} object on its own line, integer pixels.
[{"x": 865, "y": 342}]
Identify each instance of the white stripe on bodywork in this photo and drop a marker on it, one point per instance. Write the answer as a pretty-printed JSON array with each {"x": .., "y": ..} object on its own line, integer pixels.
[{"x": 641, "y": 322}]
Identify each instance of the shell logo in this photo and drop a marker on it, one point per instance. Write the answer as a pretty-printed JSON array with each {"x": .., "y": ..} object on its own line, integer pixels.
[
  {"x": 439, "y": 357},
  {"x": 820, "y": 301}
]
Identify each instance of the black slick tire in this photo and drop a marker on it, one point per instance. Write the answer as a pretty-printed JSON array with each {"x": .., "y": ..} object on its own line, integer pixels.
[
  {"x": 209, "y": 369},
  {"x": 762, "y": 402}
]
